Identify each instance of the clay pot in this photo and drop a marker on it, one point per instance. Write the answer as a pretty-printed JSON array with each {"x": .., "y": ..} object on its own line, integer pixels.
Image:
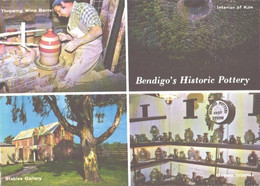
[
  {"x": 205, "y": 138},
  {"x": 50, "y": 48},
  {"x": 252, "y": 159},
  {"x": 140, "y": 178},
  {"x": 249, "y": 137},
  {"x": 156, "y": 176},
  {"x": 188, "y": 135},
  {"x": 170, "y": 139},
  {"x": 199, "y": 138},
  {"x": 159, "y": 154},
  {"x": 208, "y": 157},
  {"x": 175, "y": 153},
  {"x": 231, "y": 160},
  {"x": 221, "y": 159},
  {"x": 232, "y": 139},
  {"x": 191, "y": 153},
  {"x": 144, "y": 155}
]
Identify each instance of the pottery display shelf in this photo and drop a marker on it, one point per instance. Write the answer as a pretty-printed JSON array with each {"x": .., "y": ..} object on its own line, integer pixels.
[{"x": 153, "y": 162}]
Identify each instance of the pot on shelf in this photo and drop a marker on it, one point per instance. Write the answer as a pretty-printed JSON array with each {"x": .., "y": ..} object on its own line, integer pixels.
[{"x": 249, "y": 137}]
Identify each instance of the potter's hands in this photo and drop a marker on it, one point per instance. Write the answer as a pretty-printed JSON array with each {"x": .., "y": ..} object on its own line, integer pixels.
[
  {"x": 64, "y": 37},
  {"x": 72, "y": 45}
]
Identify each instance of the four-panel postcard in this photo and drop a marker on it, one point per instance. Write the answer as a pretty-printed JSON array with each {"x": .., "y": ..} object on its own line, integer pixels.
[{"x": 130, "y": 92}]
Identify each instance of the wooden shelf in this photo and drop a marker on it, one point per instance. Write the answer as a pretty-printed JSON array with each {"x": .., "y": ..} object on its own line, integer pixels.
[
  {"x": 166, "y": 183},
  {"x": 150, "y": 163},
  {"x": 200, "y": 162},
  {"x": 147, "y": 118},
  {"x": 195, "y": 144}
]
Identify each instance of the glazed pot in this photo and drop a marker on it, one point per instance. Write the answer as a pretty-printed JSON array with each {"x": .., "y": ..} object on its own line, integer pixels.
[
  {"x": 221, "y": 159},
  {"x": 156, "y": 176},
  {"x": 140, "y": 178},
  {"x": 188, "y": 135},
  {"x": 238, "y": 160},
  {"x": 191, "y": 153},
  {"x": 250, "y": 180},
  {"x": 144, "y": 155},
  {"x": 182, "y": 155},
  {"x": 50, "y": 48},
  {"x": 178, "y": 138},
  {"x": 170, "y": 139},
  {"x": 155, "y": 132},
  {"x": 175, "y": 153},
  {"x": 231, "y": 160},
  {"x": 205, "y": 138},
  {"x": 232, "y": 139},
  {"x": 197, "y": 155},
  {"x": 238, "y": 142},
  {"x": 208, "y": 157},
  {"x": 249, "y": 137},
  {"x": 199, "y": 138},
  {"x": 252, "y": 159},
  {"x": 159, "y": 154}
]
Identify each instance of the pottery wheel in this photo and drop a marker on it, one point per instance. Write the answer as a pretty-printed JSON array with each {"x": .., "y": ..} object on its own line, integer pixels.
[{"x": 39, "y": 65}]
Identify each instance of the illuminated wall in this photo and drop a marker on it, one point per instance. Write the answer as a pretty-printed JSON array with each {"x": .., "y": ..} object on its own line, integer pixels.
[{"x": 176, "y": 124}]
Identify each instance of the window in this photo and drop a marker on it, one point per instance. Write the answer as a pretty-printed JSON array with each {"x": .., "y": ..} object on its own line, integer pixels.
[{"x": 256, "y": 104}]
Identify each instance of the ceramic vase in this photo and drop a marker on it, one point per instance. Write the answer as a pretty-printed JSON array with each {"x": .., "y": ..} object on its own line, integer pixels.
[
  {"x": 231, "y": 160},
  {"x": 221, "y": 159},
  {"x": 188, "y": 135},
  {"x": 208, "y": 157},
  {"x": 144, "y": 155},
  {"x": 170, "y": 139},
  {"x": 175, "y": 153},
  {"x": 140, "y": 178},
  {"x": 50, "y": 48},
  {"x": 252, "y": 159},
  {"x": 232, "y": 139},
  {"x": 205, "y": 138},
  {"x": 249, "y": 137},
  {"x": 159, "y": 154}
]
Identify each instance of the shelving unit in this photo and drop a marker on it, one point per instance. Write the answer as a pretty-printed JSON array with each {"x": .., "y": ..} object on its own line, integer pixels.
[{"x": 154, "y": 162}]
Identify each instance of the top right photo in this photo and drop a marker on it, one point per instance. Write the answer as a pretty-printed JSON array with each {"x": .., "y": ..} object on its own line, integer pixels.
[{"x": 193, "y": 45}]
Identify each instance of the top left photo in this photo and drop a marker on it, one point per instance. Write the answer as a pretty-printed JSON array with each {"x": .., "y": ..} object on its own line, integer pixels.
[{"x": 62, "y": 46}]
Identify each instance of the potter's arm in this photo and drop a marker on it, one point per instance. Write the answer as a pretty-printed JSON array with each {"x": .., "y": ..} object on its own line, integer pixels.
[{"x": 93, "y": 34}]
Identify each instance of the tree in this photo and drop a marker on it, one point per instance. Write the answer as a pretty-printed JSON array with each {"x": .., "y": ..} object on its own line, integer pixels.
[
  {"x": 9, "y": 139},
  {"x": 77, "y": 118}
]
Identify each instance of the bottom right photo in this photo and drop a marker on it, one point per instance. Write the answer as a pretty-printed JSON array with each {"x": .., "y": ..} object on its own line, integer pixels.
[{"x": 195, "y": 138}]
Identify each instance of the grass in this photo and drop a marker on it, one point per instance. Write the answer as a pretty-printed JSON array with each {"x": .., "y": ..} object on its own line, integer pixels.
[
  {"x": 70, "y": 173},
  {"x": 10, "y": 169}
]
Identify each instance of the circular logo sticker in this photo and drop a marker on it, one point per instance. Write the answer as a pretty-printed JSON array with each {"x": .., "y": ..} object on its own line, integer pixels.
[{"x": 221, "y": 112}]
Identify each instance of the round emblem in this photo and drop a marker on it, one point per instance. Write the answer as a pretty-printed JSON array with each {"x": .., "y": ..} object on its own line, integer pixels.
[{"x": 221, "y": 112}]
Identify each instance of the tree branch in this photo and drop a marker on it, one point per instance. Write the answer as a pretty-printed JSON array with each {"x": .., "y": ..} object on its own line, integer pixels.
[
  {"x": 53, "y": 103},
  {"x": 113, "y": 127}
]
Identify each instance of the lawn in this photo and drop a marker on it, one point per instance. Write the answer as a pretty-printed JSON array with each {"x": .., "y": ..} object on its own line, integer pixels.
[
  {"x": 10, "y": 169},
  {"x": 69, "y": 173}
]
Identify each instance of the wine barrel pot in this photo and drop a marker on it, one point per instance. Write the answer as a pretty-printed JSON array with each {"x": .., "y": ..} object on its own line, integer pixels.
[
  {"x": 194, "y": 3},
  {"x": 49, "y": 48}
]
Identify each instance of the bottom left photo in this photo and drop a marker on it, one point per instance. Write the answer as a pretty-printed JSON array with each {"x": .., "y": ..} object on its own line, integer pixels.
[{"x": 63, "y": 140}]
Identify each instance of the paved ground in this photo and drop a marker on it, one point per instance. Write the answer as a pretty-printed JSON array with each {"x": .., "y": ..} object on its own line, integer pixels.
[{"x": 26, "y": 170}]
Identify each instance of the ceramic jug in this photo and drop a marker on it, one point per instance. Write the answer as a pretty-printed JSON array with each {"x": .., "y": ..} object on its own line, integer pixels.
[{"x": 50, "y": 48}]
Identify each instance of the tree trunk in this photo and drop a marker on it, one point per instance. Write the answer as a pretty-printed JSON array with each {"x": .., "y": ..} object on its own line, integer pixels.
[{"x": 90, "y": 161}]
